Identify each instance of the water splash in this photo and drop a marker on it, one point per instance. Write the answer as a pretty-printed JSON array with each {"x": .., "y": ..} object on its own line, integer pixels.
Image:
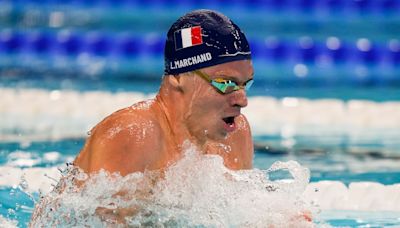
[
  {"x": 24, "y": 187},
  {"x": 8, "y": 223},
  {"x": 197, "y": 191}
]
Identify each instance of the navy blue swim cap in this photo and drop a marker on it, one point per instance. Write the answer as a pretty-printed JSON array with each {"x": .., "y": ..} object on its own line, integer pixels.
[{"x": 203, "y": 38}]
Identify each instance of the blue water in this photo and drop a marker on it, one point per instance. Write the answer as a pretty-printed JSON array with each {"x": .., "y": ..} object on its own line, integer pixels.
[
  {"x": 32, "y": 57},
  {"x": 261, "y": 87},
  {"x": 329, "y": 157},
  {"x": 16, "y": 204}
]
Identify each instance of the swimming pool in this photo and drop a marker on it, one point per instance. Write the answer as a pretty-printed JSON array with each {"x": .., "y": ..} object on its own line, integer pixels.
[
  {"x": 326, "y": 95},
  {"x": 349, "y": 144}
]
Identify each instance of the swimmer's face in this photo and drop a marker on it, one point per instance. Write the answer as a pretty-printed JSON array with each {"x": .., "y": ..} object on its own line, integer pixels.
[{"x": 211, "y": 113}]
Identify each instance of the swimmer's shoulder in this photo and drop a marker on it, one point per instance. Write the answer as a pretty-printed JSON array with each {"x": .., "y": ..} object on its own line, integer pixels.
[
  {"x": 241, "y": 144},
  {"x": 129, "y": 120},
  {"x": 243, "y": 125},
  {"x": 126, "y": 141}
]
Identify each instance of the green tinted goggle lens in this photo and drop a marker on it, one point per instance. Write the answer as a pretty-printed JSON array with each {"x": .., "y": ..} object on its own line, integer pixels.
[
  {"x": 224, "y": 85},
  {"x": 228, "y": 86}
]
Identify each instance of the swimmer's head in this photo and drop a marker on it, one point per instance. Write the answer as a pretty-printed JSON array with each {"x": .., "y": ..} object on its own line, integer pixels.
[{"x": 203, "y": 38}]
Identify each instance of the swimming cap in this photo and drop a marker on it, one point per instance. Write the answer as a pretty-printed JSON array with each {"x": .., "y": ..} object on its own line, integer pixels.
[{"x": 203, "y": 38}]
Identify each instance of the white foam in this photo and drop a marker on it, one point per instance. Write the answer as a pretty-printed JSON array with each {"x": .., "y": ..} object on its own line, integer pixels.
[
  {"x": 37, "y": 179},
  {"x": 198, "y": 190},
  {"x": 358, "y": 196},
  {"x": 328, "y": 195},
  {"x": 41, "y": 114},
  {"x": 192, "y": 193},
  {"x": 8, "y": 223}
]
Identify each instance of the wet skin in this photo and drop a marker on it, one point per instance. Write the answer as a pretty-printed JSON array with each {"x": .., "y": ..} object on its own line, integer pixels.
[{"x": 149, "y": 135}]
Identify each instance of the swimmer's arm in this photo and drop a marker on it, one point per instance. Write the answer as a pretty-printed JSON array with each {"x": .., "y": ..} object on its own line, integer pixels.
[{"x": 120, "y": 144}]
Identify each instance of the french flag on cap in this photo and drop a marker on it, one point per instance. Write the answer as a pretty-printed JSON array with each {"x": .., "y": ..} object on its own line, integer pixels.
[{"x": 188, "y": 37}]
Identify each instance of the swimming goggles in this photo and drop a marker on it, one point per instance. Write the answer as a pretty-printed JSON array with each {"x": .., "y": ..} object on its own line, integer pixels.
[{"x": 225, "y": 85}]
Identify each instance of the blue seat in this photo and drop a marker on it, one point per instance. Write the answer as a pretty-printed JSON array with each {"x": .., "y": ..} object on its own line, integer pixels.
[
  {"x": 153, "y": 45},
  {"x": 306, "y": 5},
  {"x": 149, "y": 3},
  {"x": 366, "y": 52},
  {"x": 276, "y": 49},
  {"x": 224, "y": 4},
  {"x": 393, "y": 49},
  {"x": 336, "y": 50},
  {"x": 257, "y": 48},
  {"x": 86, "y": 3},
  {"x": 307, "y": 50},
  {"x": 98, "y": 44},
  {"x": 69, "y": 43},
  {"x": 40, "y": 42},
  {"x": 389, "y": 6},
  {"x": 278, "y": 5},
  {"x": 333, "y": 6},
  {"x": 122, "y": 3},
  {"x": 340, "y": 55},
  {"x": 362, "y": 6},
  {"x": 395, "y": 57},
  {"x": 11, "y": 41},
  {"x": 127, "y": 45}
]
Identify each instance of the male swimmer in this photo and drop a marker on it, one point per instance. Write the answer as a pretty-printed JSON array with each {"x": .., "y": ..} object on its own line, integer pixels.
[{"x": 208, "y": 70}]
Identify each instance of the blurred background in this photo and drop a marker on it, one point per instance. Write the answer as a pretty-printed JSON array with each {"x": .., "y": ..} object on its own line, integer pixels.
[
  {"x": 296, "y": 43},
  {"x": 326, "y": 91},
  {"x": 327, "y": 71}
]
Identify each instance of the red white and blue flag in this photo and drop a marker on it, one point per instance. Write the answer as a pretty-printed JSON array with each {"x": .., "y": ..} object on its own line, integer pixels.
[{"x": 188, "y": 37}]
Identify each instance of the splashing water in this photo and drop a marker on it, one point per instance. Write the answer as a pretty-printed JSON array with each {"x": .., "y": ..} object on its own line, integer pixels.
[
  {"x": 197, "y": 191},
  {"x": 7, "y": 223}
]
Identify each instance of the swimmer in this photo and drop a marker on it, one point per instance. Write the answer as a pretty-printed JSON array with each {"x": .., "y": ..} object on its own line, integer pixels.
[{"x": 208, "y": 70}]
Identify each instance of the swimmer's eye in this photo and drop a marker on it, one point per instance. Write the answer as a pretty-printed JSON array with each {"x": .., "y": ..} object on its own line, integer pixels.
[{"x": 225, "y": 85}]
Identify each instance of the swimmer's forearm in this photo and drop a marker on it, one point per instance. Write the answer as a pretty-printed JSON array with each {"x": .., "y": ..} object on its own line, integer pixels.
[{"x": 116, "y": 216}]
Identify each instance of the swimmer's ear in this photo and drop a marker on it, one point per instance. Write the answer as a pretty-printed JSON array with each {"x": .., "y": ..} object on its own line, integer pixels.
[{"x": 176, "y": 81}]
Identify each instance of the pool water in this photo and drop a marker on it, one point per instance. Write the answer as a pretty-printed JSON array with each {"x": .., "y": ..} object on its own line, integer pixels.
[
  {"x": 351, "y": 151},
  {"x": 17, "y": 205},
  {"x": 326, "y": 95}
]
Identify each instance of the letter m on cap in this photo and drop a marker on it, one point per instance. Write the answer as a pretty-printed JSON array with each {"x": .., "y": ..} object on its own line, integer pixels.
[{"x": 188, "y": 37}]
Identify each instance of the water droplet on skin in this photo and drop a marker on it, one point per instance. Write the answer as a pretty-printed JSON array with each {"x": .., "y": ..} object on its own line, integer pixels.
[
  {"x": 113, "y": 131},
  {"x": 144, "y": 105},
  {"x": 89, "y": 133},
  {"x": 196, "y": 190}
]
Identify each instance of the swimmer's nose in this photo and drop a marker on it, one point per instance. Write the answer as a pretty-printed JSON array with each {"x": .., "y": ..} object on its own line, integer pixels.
[{"x": 239, "y": 98}]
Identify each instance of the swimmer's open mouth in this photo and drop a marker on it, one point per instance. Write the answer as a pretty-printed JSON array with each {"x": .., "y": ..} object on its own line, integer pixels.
[{"x": 229, "y": 120}]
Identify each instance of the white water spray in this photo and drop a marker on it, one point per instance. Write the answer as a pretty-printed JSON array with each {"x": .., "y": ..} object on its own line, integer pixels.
[{"x": 197, "y": 191}]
